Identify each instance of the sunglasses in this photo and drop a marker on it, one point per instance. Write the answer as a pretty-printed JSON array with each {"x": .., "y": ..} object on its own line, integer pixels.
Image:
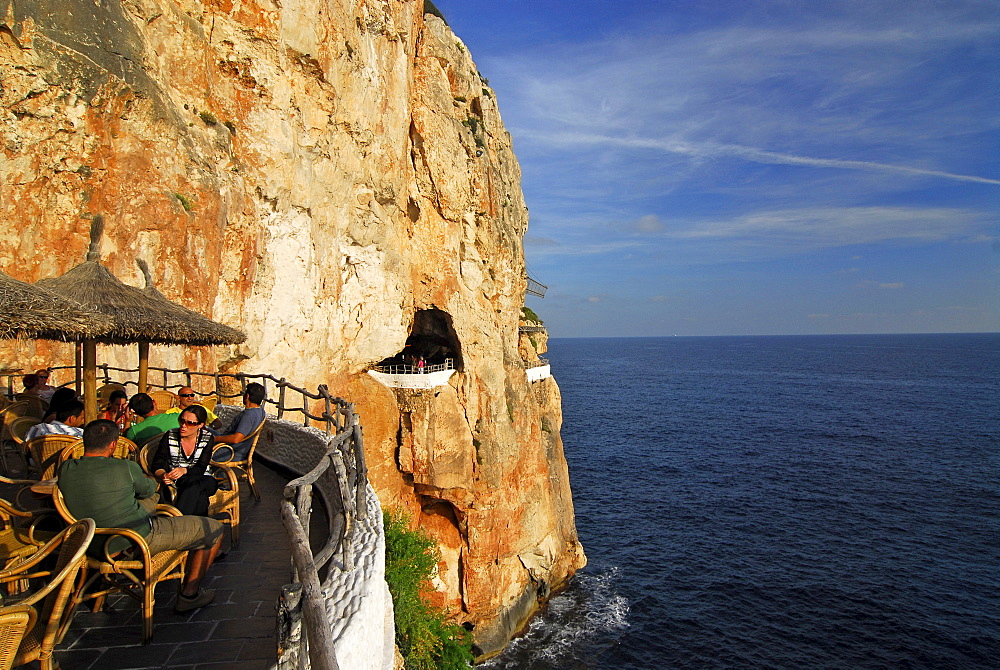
[
  {"x": 185, "y": 395},
  {"x": 185, "y": 422}
]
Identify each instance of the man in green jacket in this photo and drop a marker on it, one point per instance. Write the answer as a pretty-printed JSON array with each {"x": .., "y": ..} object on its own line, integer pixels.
[{"x": 116, "y": 493}]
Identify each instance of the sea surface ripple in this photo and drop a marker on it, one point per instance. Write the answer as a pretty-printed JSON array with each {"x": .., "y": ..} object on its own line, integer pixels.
[{"x": 779, "y": 502}]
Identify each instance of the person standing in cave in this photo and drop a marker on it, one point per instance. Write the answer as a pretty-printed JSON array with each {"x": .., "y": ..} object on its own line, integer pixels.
[{"x": 420, "y": 365}]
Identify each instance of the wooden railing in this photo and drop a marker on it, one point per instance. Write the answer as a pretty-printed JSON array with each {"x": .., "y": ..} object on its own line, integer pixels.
[
  {"x": 303, "y": 601},
  {"x": 290, "y": 398}
]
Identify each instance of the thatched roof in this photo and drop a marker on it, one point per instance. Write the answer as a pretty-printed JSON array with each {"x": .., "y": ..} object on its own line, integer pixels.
[
  {"x": 134, "y": 315},
  {"x": 220, "y": 333},
  {"x": 27, "y": 310}
]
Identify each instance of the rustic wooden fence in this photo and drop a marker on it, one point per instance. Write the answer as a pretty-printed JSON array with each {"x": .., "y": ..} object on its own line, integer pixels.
[
  {"x": 302, "y": 605},
  {"x": 290, "y": 399}
]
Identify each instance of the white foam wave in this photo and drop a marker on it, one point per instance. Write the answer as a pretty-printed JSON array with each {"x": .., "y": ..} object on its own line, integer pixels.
[{"x": 586, "y": 612}]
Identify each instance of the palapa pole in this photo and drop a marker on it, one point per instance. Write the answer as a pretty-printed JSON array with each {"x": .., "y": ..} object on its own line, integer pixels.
[
  {"x": 90, "y": 346},
  {"x": 143, "y": 365},
  {"x": 78, "y": 372},
  {"x": 90, "y": 379}
]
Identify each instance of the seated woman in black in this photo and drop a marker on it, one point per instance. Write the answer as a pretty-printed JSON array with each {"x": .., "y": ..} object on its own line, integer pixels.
[{"x": 182, "y": 459}]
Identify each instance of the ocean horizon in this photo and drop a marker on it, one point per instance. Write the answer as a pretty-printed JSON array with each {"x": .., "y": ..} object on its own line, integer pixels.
[{"x": 787, "y": 501}]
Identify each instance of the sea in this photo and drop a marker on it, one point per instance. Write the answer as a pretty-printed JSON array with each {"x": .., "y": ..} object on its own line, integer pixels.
[{"x": 778, "y": 502}]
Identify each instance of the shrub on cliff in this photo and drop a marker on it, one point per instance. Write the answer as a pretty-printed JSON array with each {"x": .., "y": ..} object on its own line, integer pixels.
[{"x": 424, "y": 638}]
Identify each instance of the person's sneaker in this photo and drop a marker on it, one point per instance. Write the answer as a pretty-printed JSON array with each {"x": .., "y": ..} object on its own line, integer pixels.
[{"x": 186, "y": 604}]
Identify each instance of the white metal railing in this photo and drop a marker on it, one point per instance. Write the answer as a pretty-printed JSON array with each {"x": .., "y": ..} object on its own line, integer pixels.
[{"x": 401, "y": 369}]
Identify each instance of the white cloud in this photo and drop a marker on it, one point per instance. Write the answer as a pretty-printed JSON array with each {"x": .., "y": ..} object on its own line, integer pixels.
[{"x": 650, "y": 223}]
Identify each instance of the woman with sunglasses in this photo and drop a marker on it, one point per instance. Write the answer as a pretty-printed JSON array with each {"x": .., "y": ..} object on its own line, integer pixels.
[{"x": 182, "y": 460}]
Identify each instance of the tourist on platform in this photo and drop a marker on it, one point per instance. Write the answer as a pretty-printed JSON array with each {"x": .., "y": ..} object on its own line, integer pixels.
[
  {"x": 118, "y": 410},
  {"x": 154, "y": 421},
  {"x": 187, "y": 397},
  {"x": 116, "y": 493},
  {"x": 245, "y": 423},
  {"x": 68, "y": 421},
  {"x": 182, "y": 460}
]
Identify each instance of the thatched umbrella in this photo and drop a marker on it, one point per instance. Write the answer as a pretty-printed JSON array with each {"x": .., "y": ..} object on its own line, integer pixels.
[
  {"x": 199, "y": 329},
  {"x": 32, "y": 312},
  {"x": 134, "y": 316}
]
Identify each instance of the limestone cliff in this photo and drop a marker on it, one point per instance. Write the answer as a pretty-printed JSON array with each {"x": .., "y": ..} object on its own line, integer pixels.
[{"x": 333, "y": 177}]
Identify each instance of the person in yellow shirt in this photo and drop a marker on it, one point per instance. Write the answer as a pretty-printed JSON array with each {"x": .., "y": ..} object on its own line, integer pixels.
[{"x": 187, "y": 397}]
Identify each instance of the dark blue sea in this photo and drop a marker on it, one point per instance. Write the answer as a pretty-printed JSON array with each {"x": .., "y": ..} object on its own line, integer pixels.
[{"x": 779, "y": 502}]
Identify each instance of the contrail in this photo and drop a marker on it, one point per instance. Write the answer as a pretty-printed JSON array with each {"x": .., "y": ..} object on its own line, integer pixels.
[{"x": 770, "y": 157}]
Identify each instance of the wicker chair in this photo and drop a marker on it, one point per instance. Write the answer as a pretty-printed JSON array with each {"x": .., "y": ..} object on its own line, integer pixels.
[
  {"x": 244, "y": 468},
  {"x": 124, "y": 448},
  {"x": 225, "y": 501},
  {"x": 45, "y": 451},
  {"x": 36, "y": 405},
  {"x": 15, "y": 442},
  {"x": 134, "y": 571},
  {"x": 15, "y": 622},
  {"x": 55, "y": 616},
  {"x": 164, "y": 399},
  {"x": 8, "y": 415},
  {"x": 19, "y": 538}
]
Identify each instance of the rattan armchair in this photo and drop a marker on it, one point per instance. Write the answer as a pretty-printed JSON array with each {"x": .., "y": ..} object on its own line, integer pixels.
[
  {"x": 52, "y": 598},
  {"x": 124, "y": 448},
  {"x": 8, "y": 415},
  {"x": 164, "y": 399},
  {"x": 14, "y": 443},
  {"x": 36, "y": 405},
  {"x": 46, "y": 450},
  {"x": 224, "y": 502},
  {"x": 19, "y": 537},
  {"x": 244, "y": 468},
  {"x": 134, "y": 571},
  {"x": 15, "y": 622}
]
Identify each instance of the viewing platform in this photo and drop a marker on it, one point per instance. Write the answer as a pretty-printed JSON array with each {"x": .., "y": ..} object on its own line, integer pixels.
[
  {"x": 411, "y": 377},
  {"x": 538, "y": 371}
]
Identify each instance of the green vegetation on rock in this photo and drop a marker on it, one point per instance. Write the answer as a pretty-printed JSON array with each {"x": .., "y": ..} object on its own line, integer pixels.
[
  {"x": 528, "y": 314},
  {"x": 424, "y": 638}
]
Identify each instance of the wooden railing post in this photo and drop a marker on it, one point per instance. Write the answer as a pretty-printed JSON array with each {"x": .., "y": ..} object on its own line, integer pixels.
[{"x": 281, "y": 398}]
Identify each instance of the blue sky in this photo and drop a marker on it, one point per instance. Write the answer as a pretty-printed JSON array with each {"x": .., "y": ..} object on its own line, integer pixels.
[{"x": 740, "y": 168}]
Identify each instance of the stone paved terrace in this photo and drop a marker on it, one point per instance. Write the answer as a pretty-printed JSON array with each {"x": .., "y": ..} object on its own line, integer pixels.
[{"x": 236, "y": 631}]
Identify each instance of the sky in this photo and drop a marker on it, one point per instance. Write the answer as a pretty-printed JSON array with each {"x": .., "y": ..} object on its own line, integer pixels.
[{"x": 752, "y": 168}]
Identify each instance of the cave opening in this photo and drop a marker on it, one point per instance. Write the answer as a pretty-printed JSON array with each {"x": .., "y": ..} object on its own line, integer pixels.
[{"x": 433, "y": 339}]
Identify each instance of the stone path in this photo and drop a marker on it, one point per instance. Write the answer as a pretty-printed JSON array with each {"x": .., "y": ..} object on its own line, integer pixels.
[{"x": 237, "y": 630}]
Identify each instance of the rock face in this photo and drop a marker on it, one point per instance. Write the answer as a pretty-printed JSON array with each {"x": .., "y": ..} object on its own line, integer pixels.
[{"x": 334, "y": 178}]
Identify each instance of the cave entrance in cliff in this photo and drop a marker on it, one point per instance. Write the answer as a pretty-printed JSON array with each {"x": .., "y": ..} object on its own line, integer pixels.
[{"x": 432, "y": 338}]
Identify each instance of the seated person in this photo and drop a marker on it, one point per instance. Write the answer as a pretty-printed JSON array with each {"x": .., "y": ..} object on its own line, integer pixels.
[
  {"x": 154, "y": 421},
  {"x": 116, "y": 493},
  {"x": 42, "y": 388},
  {"x": 182, "y": 459},
  {"x": 187, "y": 397},
  {"x": 118, "y": 410},
  {"x": 244, "y": 424},
  {"x": 61, "y": 396},
  {"x": 30, "y": 383},
  {"x": 68, "y": 421}
]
